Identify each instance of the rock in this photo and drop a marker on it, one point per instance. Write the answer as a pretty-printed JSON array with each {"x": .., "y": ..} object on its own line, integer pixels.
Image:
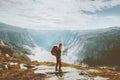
[{"x": 117, "y": 68}]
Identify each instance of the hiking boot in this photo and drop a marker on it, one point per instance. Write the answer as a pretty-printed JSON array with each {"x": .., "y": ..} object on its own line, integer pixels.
[
  {"x": 60, "y": 70},
  {"x": 56, "y": 69}
]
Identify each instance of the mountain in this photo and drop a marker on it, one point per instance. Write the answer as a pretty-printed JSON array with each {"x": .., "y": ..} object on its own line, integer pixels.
[
  {"x": 15, "y": 36},
  {"x": 96, "y": 47},
  {"x": 92, "y": 47},
  {"x": 100, "y": 47},
  {"x": 7, "y": 51}
]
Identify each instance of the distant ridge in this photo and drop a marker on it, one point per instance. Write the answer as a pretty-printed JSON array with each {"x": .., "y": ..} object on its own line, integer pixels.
[{"x": 16, "y": 36}]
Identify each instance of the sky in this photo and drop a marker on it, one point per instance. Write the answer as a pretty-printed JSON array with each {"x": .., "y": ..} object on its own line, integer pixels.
[{"x": 60, "y": 14}]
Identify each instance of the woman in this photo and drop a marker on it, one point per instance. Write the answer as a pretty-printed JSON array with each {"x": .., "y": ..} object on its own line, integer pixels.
[{"x": 58, "y": 57}]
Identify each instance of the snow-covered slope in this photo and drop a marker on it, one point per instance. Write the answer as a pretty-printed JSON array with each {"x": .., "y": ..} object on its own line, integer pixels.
[
  {"x": 94, "y": 47},
  {"x": 16, "y": 37}
]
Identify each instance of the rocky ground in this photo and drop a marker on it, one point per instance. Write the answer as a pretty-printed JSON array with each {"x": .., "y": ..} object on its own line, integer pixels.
[{"x": 15, "y": 69}]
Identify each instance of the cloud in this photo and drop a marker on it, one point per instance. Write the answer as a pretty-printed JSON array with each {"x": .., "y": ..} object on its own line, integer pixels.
[
  {"x": 54, "y": 14},
  {"x": 97, "y": 5}
]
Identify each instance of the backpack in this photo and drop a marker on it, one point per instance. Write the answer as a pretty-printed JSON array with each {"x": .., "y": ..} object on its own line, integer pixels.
[{"x": 54, "y": 51}]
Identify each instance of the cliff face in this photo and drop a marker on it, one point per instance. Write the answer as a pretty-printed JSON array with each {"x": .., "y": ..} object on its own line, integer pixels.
[
  {"x": 13, "y": 40},
  {"x": 103, "y": 47},
  {"x": 93, "y": 47},
  {"x": 16, "y": 37},
  {"x": 96, "y": 47},
  {"x": 7, "y": 51}
]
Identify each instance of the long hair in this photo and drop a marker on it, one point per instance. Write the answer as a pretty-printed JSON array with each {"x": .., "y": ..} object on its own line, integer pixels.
[{"x": 60, "y": 46}]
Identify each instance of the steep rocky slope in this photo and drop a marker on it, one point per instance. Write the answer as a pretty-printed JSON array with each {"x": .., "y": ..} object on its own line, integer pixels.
[
  {"x": 94, "y": 47},
  {"x": 16, "y": 37},
  {"x": 8, "y": 51}
]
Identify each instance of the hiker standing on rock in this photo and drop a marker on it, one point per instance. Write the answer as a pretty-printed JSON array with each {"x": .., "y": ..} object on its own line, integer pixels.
[
  {"x": 56, "y": 51},
  {"x": 58, "y": 58}
]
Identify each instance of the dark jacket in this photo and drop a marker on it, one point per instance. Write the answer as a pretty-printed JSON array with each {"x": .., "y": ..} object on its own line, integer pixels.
[{"x": 58, "y": 53}]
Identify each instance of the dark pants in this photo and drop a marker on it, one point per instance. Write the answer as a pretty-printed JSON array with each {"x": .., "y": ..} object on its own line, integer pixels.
[{"x": 58, "y": 63}]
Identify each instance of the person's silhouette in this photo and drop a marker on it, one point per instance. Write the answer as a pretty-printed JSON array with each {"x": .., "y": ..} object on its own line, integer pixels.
[{"x": 58, "y": 58}]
